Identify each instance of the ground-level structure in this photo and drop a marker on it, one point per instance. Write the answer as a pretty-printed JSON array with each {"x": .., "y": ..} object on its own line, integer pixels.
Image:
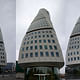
[
  {"x": 40, "y": 53},
  {"x": 3, "y": 60},
  {"x": 73, "y": 53},
  {"x": 10, "y": 67}
]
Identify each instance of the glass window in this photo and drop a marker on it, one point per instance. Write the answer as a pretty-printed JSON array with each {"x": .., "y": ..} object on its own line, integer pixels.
[
  {"x": 53, "y": 41},
  {"x": 68, "y": 54},
  {"x": 68, "y": 59},
  {"x": 22, "y": 49},
  {"x": 35, "y": 36},
  {"x": 71, "y": 53},
  {"x": 77, "y": 46},
  {"x": 46, "y": 31},
  {"x": 42, "y": 31},
  {"x": 57, "y": 54},
  {"x": 39, "y": 32},
  {"x": 40, "y": 46},
  {"x": 50, "y": 31},
  {"x": 22, "y": 56},
  {"x": 51, "y": 35},
  {"x": 36, "y": 54},
  {"x": 31, "y": 42},
  {"x": 55, "y": 47},
  {"x": 49, "y": 41},
  {"x": 26, "y": 55},
  {"x": 32, "y": 33},
  {"x": 52, "y": 53},
  {"x": 44, "y": 41},
  {"x": 39, "y": 36},
  {"x": 3, "y": 53},
  {"x": 31, "y": 54},
  {"x": 43, "y": 35},
  {"x": 74, "y": 58},
  {"x": 47, "y": 35},
  {"x": 45, "y": 46},
  {"x": 24, "y": 43},
  {"x": 41, "y": 54},
  {"x": 40, "y": 41},
  {"x": 50, "y": 47},
  {"x": 36, "y": 47},
  {"x": 35, "y": 41},
  {"x": 31, "y": 37},
  {"x": 78, "y": 58},
  {"x": 28, "y": 42},
  {"x": 47, "y": 54},
  {"x": 26, "y": 48},
  {"x": 31, "y": 47},
  {"x": 35, "y": 32},
  {"x": 71, "y": 59},
  {"x": 74, "y": 53},
  {"x": 77, "y": 52}
]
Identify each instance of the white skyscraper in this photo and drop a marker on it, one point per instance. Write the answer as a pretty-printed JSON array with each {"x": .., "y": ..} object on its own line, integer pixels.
[
  {"x": 3, "y": 60},
  {"x": 40, "y": 53},
  {"x": 73, "y": 53}
]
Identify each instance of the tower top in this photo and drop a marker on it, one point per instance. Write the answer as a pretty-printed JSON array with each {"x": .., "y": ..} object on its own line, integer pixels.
[
  {"x": 76, "y": 29},
  {"x": 42, "y": 20}
]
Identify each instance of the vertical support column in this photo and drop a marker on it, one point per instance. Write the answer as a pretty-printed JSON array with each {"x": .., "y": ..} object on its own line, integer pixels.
[{"x": 25, "y": 75}]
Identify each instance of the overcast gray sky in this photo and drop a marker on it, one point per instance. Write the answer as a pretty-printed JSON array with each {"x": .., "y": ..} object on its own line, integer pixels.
[
  {"x": 8, "y": 27},
  {"x": 64, "y": 14}
]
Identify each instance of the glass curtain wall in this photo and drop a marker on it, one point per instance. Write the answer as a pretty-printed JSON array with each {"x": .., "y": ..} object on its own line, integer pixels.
[{"x": 42, "y": 73}]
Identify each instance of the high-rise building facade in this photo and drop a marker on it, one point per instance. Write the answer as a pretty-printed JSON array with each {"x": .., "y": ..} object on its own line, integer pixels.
[
  {"x": 73, "y": 53},
  {"x": 40, "y": 53},
  {"x": 3, "y": 60}
]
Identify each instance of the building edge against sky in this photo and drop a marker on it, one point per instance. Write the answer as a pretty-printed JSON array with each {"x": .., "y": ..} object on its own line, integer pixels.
[
  {"x": 73, "y": 53},
  {"x": 40, "y": 53},
  {"x": 3, "y": 60}
]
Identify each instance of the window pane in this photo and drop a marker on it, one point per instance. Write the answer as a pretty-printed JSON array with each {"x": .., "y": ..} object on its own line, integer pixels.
[
  {"x": 53, "y": 41},
  {"x": 41, "y": 53},
  {"x": 31, "y": 47},
  {"x": 22, "y": 56},
  {"x": 31, "y": 54},
  {"x": 47, "y": 35},
  {"x": 26, "y": 48},
  {"x": 47, "y": 54},
  {"x": 52, "y": 53},
  {"x": 49, "y": 41},
  {"x": 51, "y": 35},
  {"x": 44, "y": 41},
  {"x": 28, "y": 42},
  {"x": 45, "y": 46},
  {"x": 22, "y": 49},
  {"x": 57, "y": 54},
  {"x": 35, "y": 41},
  {"x": 39, "y": 41},
  {"x": 50, "y": 47},
  {"x": 36, "y": 54},
  {"x": 26, "y": 55},
  {"x": 31, "y": 42},
  {"x": 36, "y": 47},
  {"x": 55, "y": 47},
  {"x": 40, "y": 46}
]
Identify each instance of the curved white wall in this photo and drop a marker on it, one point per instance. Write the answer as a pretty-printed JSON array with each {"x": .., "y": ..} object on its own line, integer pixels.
[
  {"x": 73, "y": 50},
  {"x": 40, "y": 44}
]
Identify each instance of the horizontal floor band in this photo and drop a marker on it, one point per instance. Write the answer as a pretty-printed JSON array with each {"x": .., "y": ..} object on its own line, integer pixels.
[
  {"x": 75, "y": 35},
  {"x": 1, "y": 42},
  {"x": 38, "y": 29}
]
